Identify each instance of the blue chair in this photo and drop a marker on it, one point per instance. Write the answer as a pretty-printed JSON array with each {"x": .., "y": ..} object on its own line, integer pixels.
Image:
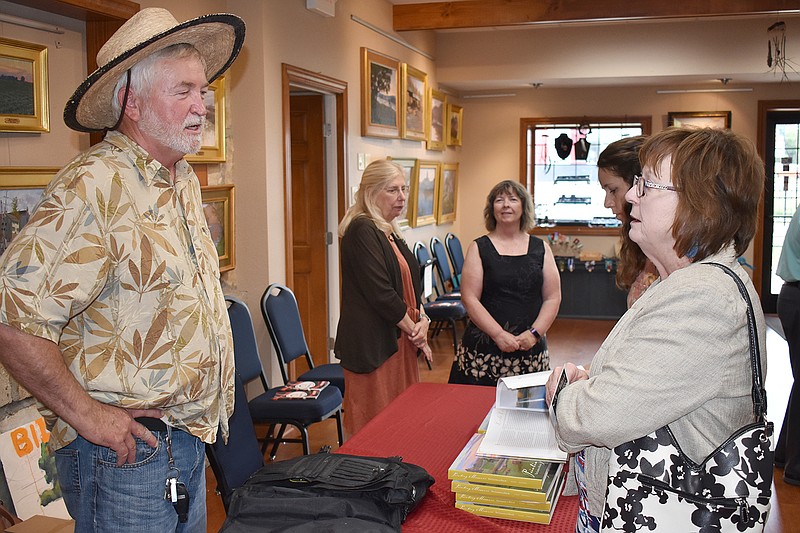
[
  {"x": 456, "y": 253},
  {"x": 282, "y": 316},
  {"x": 233, "y": 463},
  {"x": 265, "y": 410},
  {"x": 443, "y": 313},
  {"x": 443, "y": 266},
  {"x": 424, "y": 257}
]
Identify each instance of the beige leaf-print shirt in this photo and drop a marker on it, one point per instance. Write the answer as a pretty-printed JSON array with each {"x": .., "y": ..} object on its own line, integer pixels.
[{"x": 116, "y": 266}]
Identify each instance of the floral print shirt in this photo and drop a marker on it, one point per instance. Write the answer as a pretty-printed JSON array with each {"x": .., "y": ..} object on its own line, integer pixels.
[{"x": 116, "y": 265}]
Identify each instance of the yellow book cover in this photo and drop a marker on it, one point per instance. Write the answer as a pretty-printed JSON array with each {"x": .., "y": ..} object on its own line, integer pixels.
[
  {"x": 525, "y": 505},
  {"x": 507, "y": 471},
  {"x": 513, "y": 513},
  {"x": 498, "y": 492}
]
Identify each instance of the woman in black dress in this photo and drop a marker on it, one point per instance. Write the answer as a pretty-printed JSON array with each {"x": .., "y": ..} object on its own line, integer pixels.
[{"x": 512, "y": 290}]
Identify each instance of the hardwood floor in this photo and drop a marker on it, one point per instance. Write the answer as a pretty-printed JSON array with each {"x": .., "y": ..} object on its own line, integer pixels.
[{"x": 577, "y": 341}]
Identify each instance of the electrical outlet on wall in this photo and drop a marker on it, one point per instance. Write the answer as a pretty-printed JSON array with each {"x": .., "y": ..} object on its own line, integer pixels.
[{"x": 362, "y": 161}]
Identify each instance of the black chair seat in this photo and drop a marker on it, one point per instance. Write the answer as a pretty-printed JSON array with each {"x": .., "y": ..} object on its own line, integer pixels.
[
  {"x": 445, "y": 310},
  {"x": 320, "y": 408},
  {"x": 331, "y": 372}
]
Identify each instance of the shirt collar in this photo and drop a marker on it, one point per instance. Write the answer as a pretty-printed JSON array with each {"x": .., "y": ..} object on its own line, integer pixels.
[{"x": 150, "y": 169}]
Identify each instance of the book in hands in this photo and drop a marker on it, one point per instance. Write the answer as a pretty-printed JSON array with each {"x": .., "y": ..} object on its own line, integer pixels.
[{"x": 300, "y": 390}]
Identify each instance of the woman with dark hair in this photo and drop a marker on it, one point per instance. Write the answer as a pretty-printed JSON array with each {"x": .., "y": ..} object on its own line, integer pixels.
[
  {"x": 511, "y": 289},
  {"x": 617, "y": 165},
  {"x": 382, "y": 326},
  {"x": 681, "y": 354}
]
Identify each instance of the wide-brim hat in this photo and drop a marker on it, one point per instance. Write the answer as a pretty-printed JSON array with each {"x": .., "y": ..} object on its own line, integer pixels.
[{"x": 218, "y": 38}]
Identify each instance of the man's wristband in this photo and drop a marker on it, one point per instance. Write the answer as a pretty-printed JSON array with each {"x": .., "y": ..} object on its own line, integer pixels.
[{"x": 535, "y": 334}]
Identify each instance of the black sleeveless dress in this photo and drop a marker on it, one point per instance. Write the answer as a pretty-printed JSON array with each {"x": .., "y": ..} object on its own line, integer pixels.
[{"x": 512, "y": 294}]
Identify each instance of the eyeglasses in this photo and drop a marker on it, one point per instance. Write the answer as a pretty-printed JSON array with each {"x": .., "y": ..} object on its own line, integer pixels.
[
  {"x": 640, "y": 184},
  {"x": 394, "y": 191}
]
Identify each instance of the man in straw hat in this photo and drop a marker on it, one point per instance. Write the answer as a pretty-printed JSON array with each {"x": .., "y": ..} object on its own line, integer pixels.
[{"x": 111, "y": 310}]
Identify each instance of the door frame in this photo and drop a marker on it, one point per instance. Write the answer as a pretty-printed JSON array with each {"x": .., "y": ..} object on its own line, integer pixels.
[
  {"x": 298, "y": 78},
  {"x": 764, "y": 107}
]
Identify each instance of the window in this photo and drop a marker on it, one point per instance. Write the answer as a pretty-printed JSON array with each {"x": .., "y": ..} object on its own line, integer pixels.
[{"x": 560, "y": 167}]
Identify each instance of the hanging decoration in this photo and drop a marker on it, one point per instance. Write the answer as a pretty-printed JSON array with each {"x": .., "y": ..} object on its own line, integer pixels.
[{"x": 776, "y": 50}]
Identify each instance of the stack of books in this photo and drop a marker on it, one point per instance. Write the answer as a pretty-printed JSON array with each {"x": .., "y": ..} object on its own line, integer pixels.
[{"x": 513, "y": 488}]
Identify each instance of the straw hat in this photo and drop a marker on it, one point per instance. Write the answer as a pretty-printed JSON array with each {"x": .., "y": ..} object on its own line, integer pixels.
[{"x": 218, "y": 38}]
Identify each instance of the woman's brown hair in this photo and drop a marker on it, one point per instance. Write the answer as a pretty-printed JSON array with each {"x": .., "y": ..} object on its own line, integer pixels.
[
  {"x": 720, "y": 179},
  {"x": 621, "y": 158}
]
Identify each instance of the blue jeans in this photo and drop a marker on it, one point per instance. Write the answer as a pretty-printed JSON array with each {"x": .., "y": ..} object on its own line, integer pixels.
[{"x": 104, "y": 497}]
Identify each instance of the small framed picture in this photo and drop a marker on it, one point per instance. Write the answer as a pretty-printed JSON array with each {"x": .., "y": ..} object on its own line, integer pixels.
[
  {"x": 213, "y": 147},
  {"x": 455, "y": 120},
  {"x": 414, "y": 119},
  {"x": 218, "y": 210},
  {"x": 700, "y": 119},
  {"x": 21, "y": 188},
  {"x": 24, "y": 98},
  {"x": 410, "y": 169},
  {"x": 448, "y": 193},
  {"x": 380, "y": 85},
  {"x": 423, "y": 194},
  {"x": 437, "y": 113}
]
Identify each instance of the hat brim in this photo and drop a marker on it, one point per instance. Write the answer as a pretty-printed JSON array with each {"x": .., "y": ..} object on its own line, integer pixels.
[{"x": 218, "y": 38}]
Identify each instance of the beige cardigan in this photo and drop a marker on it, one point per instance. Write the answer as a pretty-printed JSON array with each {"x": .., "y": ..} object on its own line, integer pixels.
[{"x": 679, "y": 356}]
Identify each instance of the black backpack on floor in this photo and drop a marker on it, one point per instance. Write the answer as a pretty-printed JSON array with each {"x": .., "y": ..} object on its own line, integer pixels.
[{"x": 328, "y": 492}]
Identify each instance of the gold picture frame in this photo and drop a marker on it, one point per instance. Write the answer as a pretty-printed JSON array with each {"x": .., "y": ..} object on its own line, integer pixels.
[
  {"x": 700, "y": 119},
  {"x": 380, "y": 90},
  {"x": 454, "y": 125},
  {"x": 414, "y": 104},
  {"x": 213, "y": 147},
  {"x": 24, "y": 97},
  {"x": 447, "y": 195},
  {"x": 424, "y": 186},
  {"x": 410, "y": 169},
  {"x": 437, "y": 112},
  {"x": 21, "y": 189},
  {"x": 218, "y": 208}
]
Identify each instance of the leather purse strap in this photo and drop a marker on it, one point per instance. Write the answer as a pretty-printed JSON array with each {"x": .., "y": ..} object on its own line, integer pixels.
[{"x": 759, "y": 393}]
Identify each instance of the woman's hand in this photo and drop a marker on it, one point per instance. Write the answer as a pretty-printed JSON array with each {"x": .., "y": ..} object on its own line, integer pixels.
[
  {"x": 419, "y": 333},
  {"x": 574, "y": 373},
  {"x": 507, "y": 342},
  {"x": 526, "y": 340},
  {"x": 426, "y": 351}
]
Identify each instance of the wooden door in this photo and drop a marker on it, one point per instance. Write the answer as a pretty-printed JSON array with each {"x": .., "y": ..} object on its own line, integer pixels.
[{"x": 309, "y": 244}]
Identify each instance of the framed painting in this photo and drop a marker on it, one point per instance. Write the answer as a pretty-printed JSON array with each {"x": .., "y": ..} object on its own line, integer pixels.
[
  {"x": 700, "y": 119},
  {"x": 410, "y": 169},
  {"x": 380, "y": 87},
  {"x": 437, "y": 109},
  {"x": 21, "y": 189},
  {"x": 218, "y": 210},
  {"x": 213, "y": 148},
  {"x": 455, "y": 122},
  {"x": 448, "y": 191},
  {"x": 423, "y": 194},
  {"x": 414, "y": 119},
  {"x": 24, "y": 98}
]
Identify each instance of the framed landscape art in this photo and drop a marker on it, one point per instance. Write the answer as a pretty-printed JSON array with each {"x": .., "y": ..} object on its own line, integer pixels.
[
  {"x": 380, "y": 84},
  {"x": 455, "y": 119},
  {"x": 437, "y": 111},
  {"x": 701, "y": 119},
  {"x": 423, "y": 194},
  {"x": 414, "y": 118},
  {"x": 448, "y": 193},
  {"x": 218, "y": 210},
  {"x": 21, "y": 189},
  {"x": 24, "y": 98},
  {"x": 410, "y": 170},
  {"x": 213, "y": 148}
]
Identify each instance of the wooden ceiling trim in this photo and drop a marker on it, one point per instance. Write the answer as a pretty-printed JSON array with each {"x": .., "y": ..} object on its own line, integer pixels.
[
  {"x": 490, "y": 13},
  {"x": 86, "y": 9}
]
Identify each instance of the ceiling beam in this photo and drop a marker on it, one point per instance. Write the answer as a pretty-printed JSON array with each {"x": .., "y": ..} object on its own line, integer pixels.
[{"x": 492, "y": 13}]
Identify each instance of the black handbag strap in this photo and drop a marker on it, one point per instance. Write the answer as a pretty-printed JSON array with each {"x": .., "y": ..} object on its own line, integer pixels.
[{"x": 759, "y": 393}]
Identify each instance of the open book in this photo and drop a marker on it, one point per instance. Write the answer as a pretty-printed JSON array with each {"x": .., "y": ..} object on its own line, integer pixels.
[
  {"x": 520, "y": 425},
  {"x": 300, "y": 390}
]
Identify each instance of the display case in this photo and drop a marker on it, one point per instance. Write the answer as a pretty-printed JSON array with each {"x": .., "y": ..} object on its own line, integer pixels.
[{"x": 589, "y": 289}]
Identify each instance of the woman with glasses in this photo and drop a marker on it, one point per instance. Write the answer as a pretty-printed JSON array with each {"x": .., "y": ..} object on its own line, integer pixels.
[
  {"x": 512, "y": 290},
  {"x": 616, "y": 168},
  {"x": 680, "y": 355},
  {"x": 382, "y": 325}
]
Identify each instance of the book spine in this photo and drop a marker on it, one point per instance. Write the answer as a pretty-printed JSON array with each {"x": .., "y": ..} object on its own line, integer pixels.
[
  {"x": 495, "y": 479},
  {"x": 504, "y": 512},
  {"x": 496, "y": 491},
  {"x": 513, "y": 504}
]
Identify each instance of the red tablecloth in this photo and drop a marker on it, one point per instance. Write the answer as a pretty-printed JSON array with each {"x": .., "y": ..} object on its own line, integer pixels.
[{"x": 428, "y": 425}]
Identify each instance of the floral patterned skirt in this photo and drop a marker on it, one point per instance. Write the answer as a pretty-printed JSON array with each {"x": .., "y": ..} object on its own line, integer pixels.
[{"x": 480, "y": 362}]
